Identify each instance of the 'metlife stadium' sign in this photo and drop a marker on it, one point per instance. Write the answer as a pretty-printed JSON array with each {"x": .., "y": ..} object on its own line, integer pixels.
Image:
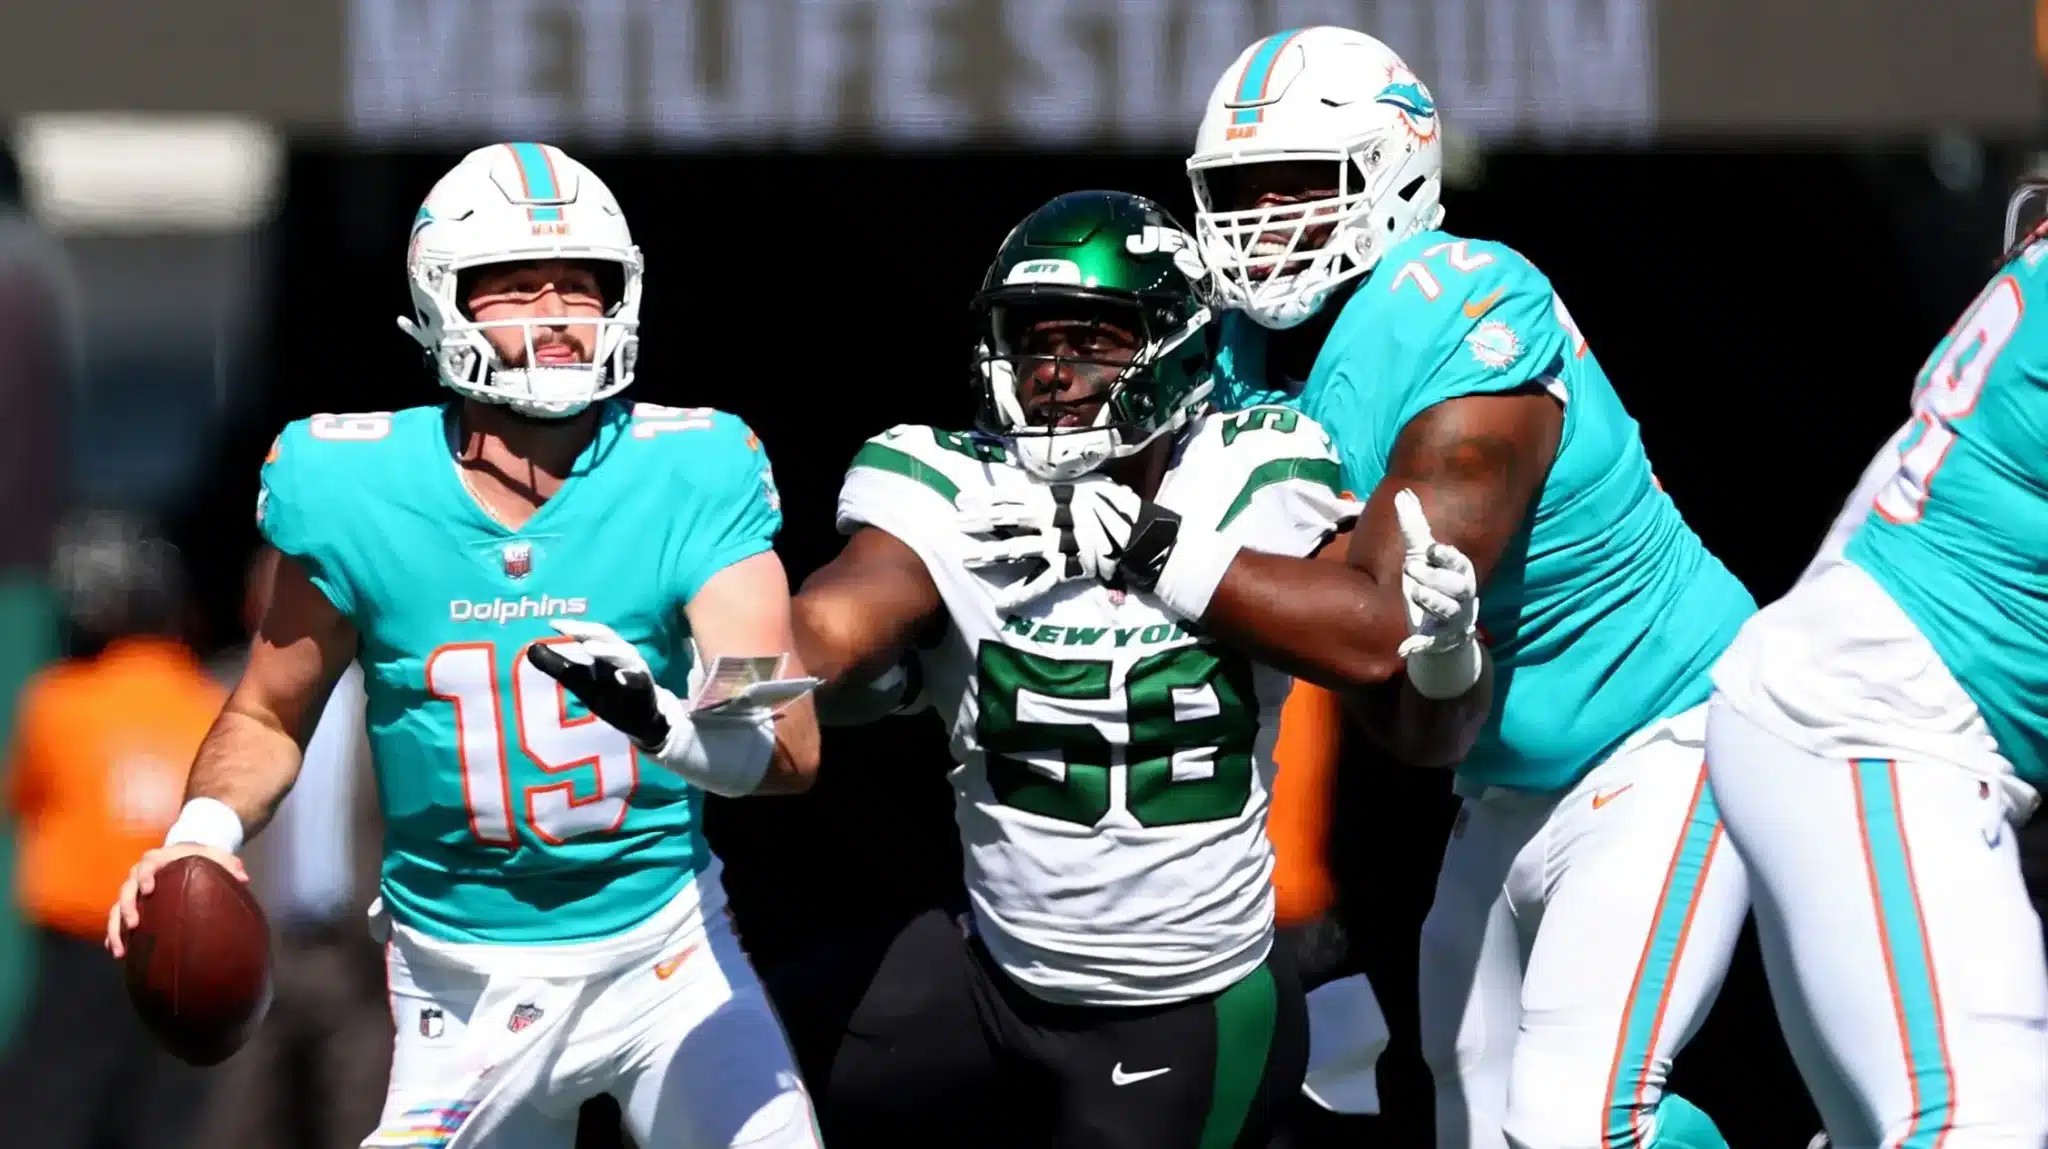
[
  {"x": 935, "y": 72},
  {"x": 1063, "y": 73}
]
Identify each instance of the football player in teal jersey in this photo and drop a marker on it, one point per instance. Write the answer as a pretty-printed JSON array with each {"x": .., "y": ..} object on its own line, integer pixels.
[
  {"x": 1586, "y": 909},
  {"x": 530, "y": 574},
  {"x": 1874, "y": 734}
]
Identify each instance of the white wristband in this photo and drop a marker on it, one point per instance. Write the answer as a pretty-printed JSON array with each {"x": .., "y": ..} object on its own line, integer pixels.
[
  {"x": 207, "y": 822},
  {"x": 1193, "y": 570},
  {"x": 1446, "y": 674},
  {"x": 725, "y": 754}
]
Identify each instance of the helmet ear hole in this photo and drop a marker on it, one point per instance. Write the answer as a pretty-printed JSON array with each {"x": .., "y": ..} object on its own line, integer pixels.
[
  {"x": 465, "y": 287},
  {"x": 611, "y": 283}
]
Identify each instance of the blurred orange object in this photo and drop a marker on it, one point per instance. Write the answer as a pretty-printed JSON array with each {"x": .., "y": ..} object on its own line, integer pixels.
[
  {"x": 1311, "y": 725},
  {"x": 102, "y": 746}
]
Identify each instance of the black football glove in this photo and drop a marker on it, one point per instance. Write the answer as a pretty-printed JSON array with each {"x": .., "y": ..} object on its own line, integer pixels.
[{"x": 606, "y": 674}]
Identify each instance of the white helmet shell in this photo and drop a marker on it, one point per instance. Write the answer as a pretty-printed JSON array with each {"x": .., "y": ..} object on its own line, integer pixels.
[
  {"x": 1324, "y": 94},
  {"x": 513, "y": 203}
]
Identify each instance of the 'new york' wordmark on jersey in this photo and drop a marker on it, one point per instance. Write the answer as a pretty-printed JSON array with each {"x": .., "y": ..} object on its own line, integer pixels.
[
  {"x": 512, "y": 815},
  {"x": 1956, "y": 537},
  {"x": 1606, "y": 611},
  {"x": 1114, "y": 762}
]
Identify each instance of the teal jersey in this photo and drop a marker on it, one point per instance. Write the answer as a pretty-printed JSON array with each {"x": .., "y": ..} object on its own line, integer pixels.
[
  {"x": 1959, "y": 536},
  {"x": 1606, "y": 612},
  {"x": 511, "y": 814}
]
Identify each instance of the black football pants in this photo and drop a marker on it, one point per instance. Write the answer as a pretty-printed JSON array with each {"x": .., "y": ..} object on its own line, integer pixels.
[{"x": 941, "y": 1047}]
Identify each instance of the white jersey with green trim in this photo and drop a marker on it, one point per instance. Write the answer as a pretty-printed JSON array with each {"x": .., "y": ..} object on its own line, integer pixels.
[{"x": 1114, "y": 763}]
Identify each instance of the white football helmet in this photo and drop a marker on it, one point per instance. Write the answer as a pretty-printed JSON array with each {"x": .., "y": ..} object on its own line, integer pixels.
[
  {"x": 509, "y": 203},
  {"x": 1319, "y": 94}
]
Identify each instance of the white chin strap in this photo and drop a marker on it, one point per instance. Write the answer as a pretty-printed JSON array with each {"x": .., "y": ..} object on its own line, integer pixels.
[
  {"x": 542, "y": 392},
  {"x": 1066, "y": 454}
]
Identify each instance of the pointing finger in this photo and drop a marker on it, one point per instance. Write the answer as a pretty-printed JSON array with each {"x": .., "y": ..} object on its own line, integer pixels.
[{"x": 1415, "y": 536}]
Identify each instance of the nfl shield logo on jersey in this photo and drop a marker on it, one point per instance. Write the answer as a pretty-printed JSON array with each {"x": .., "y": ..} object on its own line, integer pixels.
[
  {"x": 432, "y": 1023},
  {"x": 518, "y": 560},
  {"x": 524, "y": 1015}
]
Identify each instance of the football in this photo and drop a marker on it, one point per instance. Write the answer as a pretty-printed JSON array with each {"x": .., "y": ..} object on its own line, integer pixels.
[{"x": 198, "y": 961}]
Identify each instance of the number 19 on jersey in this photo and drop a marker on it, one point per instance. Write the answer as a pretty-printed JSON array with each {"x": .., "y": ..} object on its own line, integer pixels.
[{"x": 588, "y": 755}]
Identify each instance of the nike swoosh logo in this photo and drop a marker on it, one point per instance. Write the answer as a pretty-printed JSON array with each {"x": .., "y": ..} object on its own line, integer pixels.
[
  {"x": 666, "y": 967},
  {"x": 1600, "y": 800},
  {"x": 1481, "y": 307},
  {"x": 1117, "y": 1076}
]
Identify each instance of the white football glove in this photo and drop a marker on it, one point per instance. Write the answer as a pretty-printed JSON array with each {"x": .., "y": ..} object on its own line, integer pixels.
[
  {"x": 1103, "y": 514},
  {"x": 1051, "y": 533},
  {"x": 726, "y": 756},
  {"x": 1442, "y": 593}
]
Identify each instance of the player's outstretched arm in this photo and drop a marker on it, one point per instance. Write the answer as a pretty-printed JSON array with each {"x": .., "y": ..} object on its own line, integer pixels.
[
  {"x": 741, "y": 610},
  {"x": 1476, "y": 463},
  {"x": 857, "y": 619},
  {"x": 744, "y": 611},
  {"x": 251, "y": 757}
]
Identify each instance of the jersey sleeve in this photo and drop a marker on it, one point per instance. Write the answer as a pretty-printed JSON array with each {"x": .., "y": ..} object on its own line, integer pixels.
[
  {"x": 292, "y": 515},
  {"x": 735, "y": 508},
  {"x": 900, "y": 483},
  {"x": 1268, "y": 479},
  {"x": 1469, "y": 317}
]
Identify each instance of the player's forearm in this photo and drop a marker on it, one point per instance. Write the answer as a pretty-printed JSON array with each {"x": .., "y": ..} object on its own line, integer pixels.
[
  {"x": 849, "y": 696},
  {"x": 793, "y": 764},
  {"x": 865, "y": 680},
  {"x": 856, "y": 621},
  {"x": 248, "y": 762},
  {"x": 842, "y": 639},
  {"x": 868, "y": 669},
  {"x": 1422, "y": 731},
  {"x": 1326, "y": 622}
]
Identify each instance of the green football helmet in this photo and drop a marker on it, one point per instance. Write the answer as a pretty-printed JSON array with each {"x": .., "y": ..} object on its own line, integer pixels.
[{"x": 1093, "y": 338}]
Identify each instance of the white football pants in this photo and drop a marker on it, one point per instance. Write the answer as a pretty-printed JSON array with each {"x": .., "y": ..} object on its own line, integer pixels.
[
  {"x": 1574, "y": 946},
  {"x": 687, "y": 1043},
  {"x": 1904, "y": 957}
]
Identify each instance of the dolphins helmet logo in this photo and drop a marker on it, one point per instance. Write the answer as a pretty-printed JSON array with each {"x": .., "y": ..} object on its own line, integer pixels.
[
  {"x": 1406, "y": 95},
  {"x": 412, "y": 246}
]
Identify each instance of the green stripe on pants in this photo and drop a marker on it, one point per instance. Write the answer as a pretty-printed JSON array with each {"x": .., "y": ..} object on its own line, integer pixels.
[{"x": 1245, "y": 1015}]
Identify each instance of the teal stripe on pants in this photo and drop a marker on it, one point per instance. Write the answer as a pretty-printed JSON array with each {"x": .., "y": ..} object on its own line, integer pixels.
[
  {"x": 1909, "y": 964},
  {"x": 1643, "y": 1012}
]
